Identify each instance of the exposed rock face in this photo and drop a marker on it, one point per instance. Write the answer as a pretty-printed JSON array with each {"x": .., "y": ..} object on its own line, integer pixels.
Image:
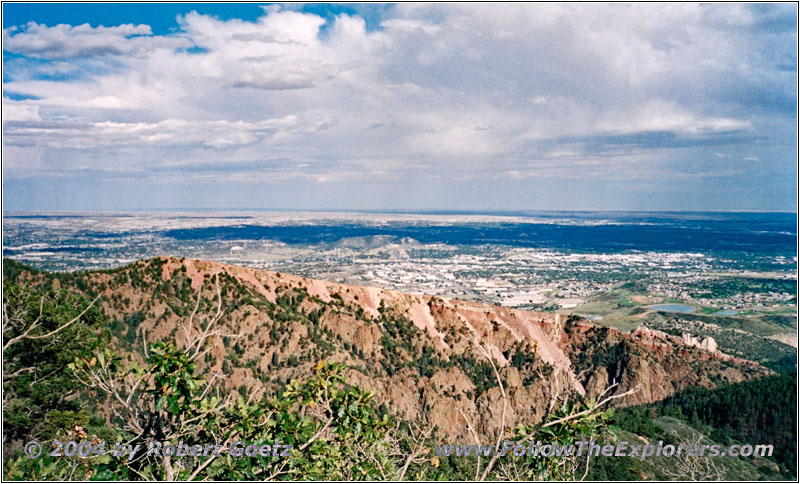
[
  {"x": 657, "y": 363},
  {"x": 706, "y": 343},
  {"x": 597, "y": 382},
  {"x": 366, "y": 338},
  {"x": 709, "y": 344},
  {"x": 425, "y": 357}
]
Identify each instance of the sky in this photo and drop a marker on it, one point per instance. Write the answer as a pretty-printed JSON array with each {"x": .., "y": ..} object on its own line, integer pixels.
[{"x": 399, "y": 107}]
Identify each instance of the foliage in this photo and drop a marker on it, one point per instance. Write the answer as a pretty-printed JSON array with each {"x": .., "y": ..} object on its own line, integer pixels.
[
  {"x": 36, "y": 379},
  {"x": 756, "y": 411},
  {"x": 335, "y": 430},
  {"x": 762, "y": 411},
  {"x": 584, "y": 428},
  {"x": 13, "y": 269}
]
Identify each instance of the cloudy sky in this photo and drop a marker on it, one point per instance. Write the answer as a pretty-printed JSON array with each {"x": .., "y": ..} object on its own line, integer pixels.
[{"x": 404, "y": 107}]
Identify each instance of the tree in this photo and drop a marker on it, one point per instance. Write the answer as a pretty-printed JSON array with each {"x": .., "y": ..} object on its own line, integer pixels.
[
  {"x": 564, "y": 424},
  {"x": 690, "y": 465},
  {"x": 334, "y": 429},
  {"x": 163, "y": 401},
  {"x": 43, "y": 331}
]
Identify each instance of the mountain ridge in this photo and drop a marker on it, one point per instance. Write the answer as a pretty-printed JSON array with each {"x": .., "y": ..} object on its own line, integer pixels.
[{"x": 426, "y": 358}]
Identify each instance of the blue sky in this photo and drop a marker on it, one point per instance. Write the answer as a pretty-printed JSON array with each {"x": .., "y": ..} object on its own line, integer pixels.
[
  {"x": 162, "y": 17},
  {"x": 417, "y": 107}
]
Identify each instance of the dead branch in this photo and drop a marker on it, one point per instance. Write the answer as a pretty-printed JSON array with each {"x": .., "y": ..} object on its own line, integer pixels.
[
  {"x": 501, "y": 431},
  {"x": 477, "y": 442},
  {"x": 27, "y": 333}
]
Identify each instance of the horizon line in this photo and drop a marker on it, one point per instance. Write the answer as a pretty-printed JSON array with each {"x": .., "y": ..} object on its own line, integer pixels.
[{"x": 390, "y": 211}]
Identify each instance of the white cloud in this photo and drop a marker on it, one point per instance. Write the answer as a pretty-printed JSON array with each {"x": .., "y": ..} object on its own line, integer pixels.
[
  {"x": 658, "y": 115},
  {"x": 19, "y": 111},
  {"x": 472, "y": 89},
  {"x": 65, "y": 41},
  {"x": 169, "y": 132}
]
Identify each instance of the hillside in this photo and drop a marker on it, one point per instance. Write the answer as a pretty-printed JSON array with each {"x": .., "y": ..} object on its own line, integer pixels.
[
  {"x": 424, "y": 357},
  {"x": 762, "y": 410}
]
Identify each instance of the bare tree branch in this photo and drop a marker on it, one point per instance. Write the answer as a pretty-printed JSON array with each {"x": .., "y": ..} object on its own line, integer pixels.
[
  {"x": 35, "y": 324},
  {"x": 501, "y": 431},
  {"x": 477, "y": 442}
]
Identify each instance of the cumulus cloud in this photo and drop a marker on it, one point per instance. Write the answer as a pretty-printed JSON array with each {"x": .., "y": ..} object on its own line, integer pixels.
[
  {"x": 66, "y": 41},
  {"x": 432, "y": 89}
]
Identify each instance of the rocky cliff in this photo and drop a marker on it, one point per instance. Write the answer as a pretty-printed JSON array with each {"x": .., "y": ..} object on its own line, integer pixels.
[{"x": 425, "y": 357}]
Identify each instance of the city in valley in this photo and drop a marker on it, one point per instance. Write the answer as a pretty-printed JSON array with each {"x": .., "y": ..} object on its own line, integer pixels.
[{"x": 744, "y": 299}]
